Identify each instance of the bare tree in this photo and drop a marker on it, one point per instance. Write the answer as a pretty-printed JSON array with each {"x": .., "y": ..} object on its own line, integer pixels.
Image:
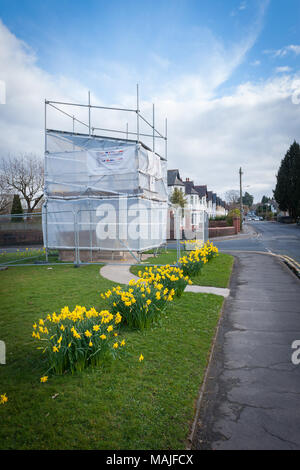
[
  {"x": 5, "y": 196},
  {"x": 24, "y": 175},
  {"x": 232, "y": 198}
]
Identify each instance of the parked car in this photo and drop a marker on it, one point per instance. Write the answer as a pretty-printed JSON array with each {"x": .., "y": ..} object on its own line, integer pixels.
[{"x": 256, "y": 218}]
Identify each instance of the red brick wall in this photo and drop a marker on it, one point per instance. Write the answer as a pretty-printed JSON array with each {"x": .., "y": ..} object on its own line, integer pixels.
[
  {"x": 21, "y": 237},
  {"x": 237, "y": 224},
  {"x": 221, "y": 231},
  {"x": 218, "y": 223}
]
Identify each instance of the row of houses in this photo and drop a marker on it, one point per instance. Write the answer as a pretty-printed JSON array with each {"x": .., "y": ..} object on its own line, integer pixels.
[
  {"x": 197, "y": 197},
  {"x": 199, "y": 202}
]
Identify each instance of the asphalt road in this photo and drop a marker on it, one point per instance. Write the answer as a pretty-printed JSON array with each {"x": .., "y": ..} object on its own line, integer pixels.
[{"x": 283, "y": 239}]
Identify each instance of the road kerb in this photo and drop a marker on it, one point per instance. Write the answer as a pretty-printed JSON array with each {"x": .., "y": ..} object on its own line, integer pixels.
[{"x": 290, "y": 262}]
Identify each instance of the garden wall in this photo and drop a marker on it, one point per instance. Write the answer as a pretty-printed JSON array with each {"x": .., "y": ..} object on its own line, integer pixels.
[
  {"x": 21, "y": 237},
  {"x": 218, "y": 223},
  {"x": 221, "y": 231}
]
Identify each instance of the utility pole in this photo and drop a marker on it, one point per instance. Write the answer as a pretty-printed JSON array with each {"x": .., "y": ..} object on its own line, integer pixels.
[{"x": 241, "y": 197}]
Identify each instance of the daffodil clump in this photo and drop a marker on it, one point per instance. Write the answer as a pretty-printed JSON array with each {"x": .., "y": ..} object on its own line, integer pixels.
[
  {"x": 170, "y": 277},
  {"x": 192, "y": 244},
  {"x": 72, "y": 340},
  {"x": 141, "y": 304},
  {"x": 211, "y": 249},
  {"x": 192, "y": 263}
]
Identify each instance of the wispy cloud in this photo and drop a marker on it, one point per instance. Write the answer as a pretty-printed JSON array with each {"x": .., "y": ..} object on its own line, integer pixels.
[
  {"x": 283, "y": 69},
  {"x": 292, "y": 48},
  {"x": 160, "y": 61},
  {"x": 217, "y": 65},
  {"x": 242, "y": 6}
]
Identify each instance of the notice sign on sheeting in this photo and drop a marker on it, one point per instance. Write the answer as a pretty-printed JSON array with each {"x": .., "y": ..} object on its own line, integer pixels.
[{"x": 117, "y": 160}]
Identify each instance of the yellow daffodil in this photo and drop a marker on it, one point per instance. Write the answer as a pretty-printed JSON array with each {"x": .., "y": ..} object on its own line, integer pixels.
[{"x": 3, "y": 399}]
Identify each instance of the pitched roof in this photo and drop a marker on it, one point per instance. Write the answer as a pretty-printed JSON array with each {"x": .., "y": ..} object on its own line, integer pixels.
[
  {"x": 201, "y": 190},
  {"x": 174, "y": 178},
  {"x": 209, "y": 195},
  {"x": 189, "y": 187}
]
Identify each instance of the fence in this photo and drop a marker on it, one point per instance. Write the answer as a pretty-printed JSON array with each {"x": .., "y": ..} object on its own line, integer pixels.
[
  {"x": 21, "y": 230},
  {"x": 95, "y": 236}
]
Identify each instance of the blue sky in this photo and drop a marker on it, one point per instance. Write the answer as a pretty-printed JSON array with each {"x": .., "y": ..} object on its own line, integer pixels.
[
  {"x": 77, "y": 37},
  {"x": 182, "y": 52}
]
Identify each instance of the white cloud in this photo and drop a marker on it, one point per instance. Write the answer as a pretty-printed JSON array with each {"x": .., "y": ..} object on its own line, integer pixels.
[
  {"x": 284, "y": 51},
  {"x": 161, "y": 62},
  {"x": 242, "y": 6},
  {"x": 251, "y": 128},
  {"x": 284, "y": 69},
  {"x": 27, "y": 86}
]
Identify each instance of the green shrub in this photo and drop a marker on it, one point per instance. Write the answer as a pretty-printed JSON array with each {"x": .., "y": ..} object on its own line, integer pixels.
[
  {"x": 231, "y": 214},
  {"x": 16, "y": 209}
]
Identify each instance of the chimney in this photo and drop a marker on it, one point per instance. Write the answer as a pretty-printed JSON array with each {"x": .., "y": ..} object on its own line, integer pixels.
[{"x": 187, "y": 179}]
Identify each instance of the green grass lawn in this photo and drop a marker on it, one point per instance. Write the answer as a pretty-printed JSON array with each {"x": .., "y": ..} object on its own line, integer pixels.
[
  {"x": 126, "y": 404},
  {"x": 28, "y": 256},
  {"x": 215, "y": 273}
]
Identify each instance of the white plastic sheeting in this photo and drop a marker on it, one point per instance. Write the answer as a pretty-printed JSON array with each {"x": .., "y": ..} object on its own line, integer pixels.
[
  {"x": 77, "y": 165},
  {"x": 109, "y": 224},
  {"x": 103, "y": 193}
]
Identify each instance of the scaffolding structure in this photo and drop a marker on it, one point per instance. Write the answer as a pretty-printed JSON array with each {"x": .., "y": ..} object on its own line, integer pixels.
[{"x": 104, "y": 192}]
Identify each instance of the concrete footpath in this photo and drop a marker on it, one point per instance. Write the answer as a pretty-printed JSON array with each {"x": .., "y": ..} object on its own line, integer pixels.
[
  {"x": 121, "y": 274},
  {"x": 252, "y": 392}
]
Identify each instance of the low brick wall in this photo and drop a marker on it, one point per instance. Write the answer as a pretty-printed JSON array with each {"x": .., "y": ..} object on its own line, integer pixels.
[
  {"x": 218, "y": 223},
  {"x": 21, "y": 237},
  {"x": 221, "y": 231}
]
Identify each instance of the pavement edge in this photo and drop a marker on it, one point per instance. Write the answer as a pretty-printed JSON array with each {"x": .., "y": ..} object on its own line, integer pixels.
[{"x": 193, "y": 427}]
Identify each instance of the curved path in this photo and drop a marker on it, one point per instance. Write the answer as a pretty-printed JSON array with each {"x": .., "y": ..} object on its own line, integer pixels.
[{"x": 122, "y": 275}]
